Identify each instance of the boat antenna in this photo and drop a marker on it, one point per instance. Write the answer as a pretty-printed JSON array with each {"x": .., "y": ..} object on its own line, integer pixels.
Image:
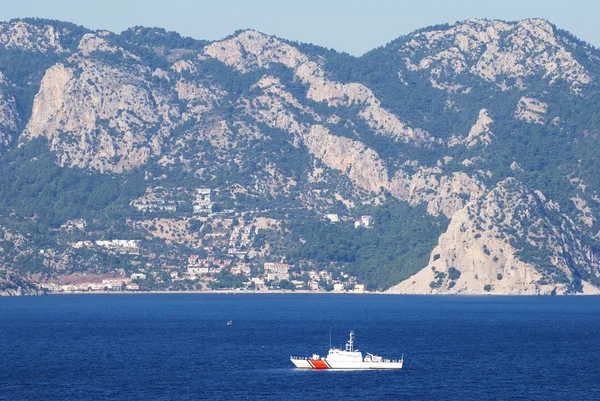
[{"x": 330, "y": 338}]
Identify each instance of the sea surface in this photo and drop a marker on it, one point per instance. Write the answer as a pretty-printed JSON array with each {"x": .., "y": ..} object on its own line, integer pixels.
[{"x": 179, "y": 347}]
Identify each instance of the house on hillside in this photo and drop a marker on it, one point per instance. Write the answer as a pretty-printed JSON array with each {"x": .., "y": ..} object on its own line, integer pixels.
[
  {"x": 120, "y": 245},
  {"x": 281, "y": 268},
  {"x": 203, "y": 203},
  {"x": 364, "y": 221},
  {"x": 138, "y": 276}
]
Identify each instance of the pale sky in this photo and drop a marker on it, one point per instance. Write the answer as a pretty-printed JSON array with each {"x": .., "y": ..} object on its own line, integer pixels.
[{"x": 350, "y": 25}]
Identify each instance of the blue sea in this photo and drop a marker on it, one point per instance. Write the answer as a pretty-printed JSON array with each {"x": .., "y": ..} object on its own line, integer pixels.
[{"x": 179, "y": 347}]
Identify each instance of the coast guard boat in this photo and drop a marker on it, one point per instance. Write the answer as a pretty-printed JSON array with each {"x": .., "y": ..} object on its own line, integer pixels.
[{"x": 348, "y": 358}]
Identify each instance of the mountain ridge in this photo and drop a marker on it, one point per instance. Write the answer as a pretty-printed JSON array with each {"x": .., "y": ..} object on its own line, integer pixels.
[{"x": 132, "y": 127}]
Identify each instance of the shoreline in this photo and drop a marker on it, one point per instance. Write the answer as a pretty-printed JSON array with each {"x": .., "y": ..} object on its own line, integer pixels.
[
  {"x": 299, "y": 292},
  {"x": 234, "y": 292}
]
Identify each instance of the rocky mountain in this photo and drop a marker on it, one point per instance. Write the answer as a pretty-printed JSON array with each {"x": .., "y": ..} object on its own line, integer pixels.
[
  {"x": 510, "y": 241},
  {"x": 472, "y": 147},
  {"x": 14, "y": 285}
]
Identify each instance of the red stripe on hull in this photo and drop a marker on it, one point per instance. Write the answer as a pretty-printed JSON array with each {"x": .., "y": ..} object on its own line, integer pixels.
[{"x": 318, "y": 364}]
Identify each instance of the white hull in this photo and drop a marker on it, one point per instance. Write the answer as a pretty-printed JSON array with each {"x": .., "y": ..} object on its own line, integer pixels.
[
  {"x": 350, "y": 358},
  {"x": 361, "y": 365},
  {"x": 301, "y": 363}
]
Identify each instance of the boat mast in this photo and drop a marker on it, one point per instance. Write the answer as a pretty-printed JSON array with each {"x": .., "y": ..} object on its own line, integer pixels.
[{"x": 350, "y": 343}]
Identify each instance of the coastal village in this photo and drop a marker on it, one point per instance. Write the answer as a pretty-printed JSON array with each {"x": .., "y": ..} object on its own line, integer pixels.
[
  {"x": 277, "y": 277},
  {"x": 222, "y": 250}
]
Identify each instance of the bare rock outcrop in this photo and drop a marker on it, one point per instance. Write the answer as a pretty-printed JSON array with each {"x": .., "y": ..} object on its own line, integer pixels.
[
  {"x": 96, "y": 42},
  {"x": 361, "y": 164},
  {"x": 273, "y": 105},
  {"x": 12, "y": 245},
  {"x": 30, "y": 37},
  {"x": 13, "y": 285},
  {"x": 443, "y": 194},
  {"x": 9, "y": 117},
  {"x": 586, "y": 215},
  {"x": 251, "y": 50},
  {"x": 531, "y": 110},
  {"x": 480, "y": 133},
  {"x": 199, "y": 98},
  {"x": 96, "y": 115},
  {"x": 511, "y": 241},
  {"x": 495, "y": 51}
]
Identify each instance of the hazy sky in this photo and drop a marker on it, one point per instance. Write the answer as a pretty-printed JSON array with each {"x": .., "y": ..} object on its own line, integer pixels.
[{"x": 352, "y": 26}]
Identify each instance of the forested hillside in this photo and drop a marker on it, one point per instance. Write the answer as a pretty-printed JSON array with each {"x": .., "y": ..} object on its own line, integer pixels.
[{"x": 456, "y": 159}]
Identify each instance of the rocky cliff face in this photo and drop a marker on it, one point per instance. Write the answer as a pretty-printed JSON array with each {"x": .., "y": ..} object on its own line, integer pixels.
[
  {"x": 13, "y": 285},
  {"x": 469, "y": 122},
  {"x": 98, "y": 115},
  {"x": 495, "y": 51},
  {"x": 31, "y": 37},
  {"x": 254, "y": 50},
  {"x": 531, "y": 110},
  {"x": 9, "y": 117},
  {"x": 510, "y": 241}
]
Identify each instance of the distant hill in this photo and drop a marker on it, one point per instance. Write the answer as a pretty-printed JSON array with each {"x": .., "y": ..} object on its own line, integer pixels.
[{"x": 472, "y": 146}]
